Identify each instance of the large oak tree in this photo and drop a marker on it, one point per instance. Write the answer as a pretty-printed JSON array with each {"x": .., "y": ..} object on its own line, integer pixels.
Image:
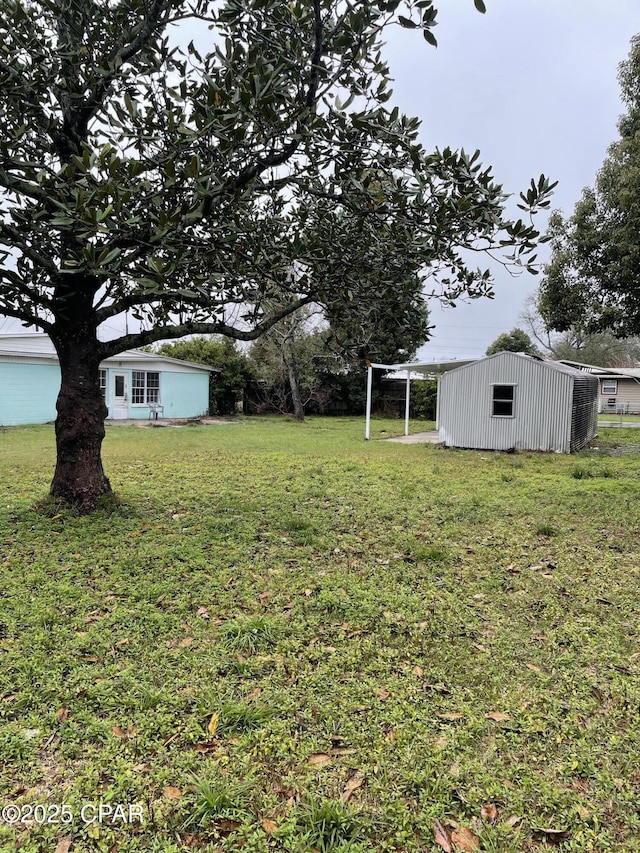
[
  {"x": 181, "y": 186},
  {"x": 592, "y": 282}
]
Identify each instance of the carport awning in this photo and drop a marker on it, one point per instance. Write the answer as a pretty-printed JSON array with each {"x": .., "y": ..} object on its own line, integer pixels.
[{"x": 426, "y": 367}]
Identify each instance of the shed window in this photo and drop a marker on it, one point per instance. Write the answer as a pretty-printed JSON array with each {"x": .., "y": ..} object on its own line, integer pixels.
[
  {"x": 502, "y": 401},
  {"x": 145, "y": 387},
  {"x": 103, "y": 383},
  {"x": 609, "y": 386}
]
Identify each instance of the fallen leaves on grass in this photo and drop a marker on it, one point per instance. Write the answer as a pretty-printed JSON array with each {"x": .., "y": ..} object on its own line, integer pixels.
[
  {"x": 497, "y": 716},
  {"x": 120, "y": 733},
  {"x": 352, "y": 785},
  {"x": 213, "y": 724},
  {"x": 269, "y": 826},
  {"x": 441, "y": 836},
  {"x": 489, "y": 812},
  {"x": 64, "y": 845},
  {"x": 180, "y": 644},
  {"x": 172, "y": 793},
  {"x": 460, "y": 840},
  {"x": 464, "y": 840},
  {"x": 553, "y": 836},
  {"x": 319, "y": 759},
  {"x": 204, "y": 748},
  {"x": 253, "y": 694}
]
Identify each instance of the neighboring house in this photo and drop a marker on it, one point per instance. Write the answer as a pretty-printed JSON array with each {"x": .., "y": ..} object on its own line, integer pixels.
[
  {"x": 135, "y": 384},
  {"x": 515, "y": 401},
  {"x": 619, "y": 387}
]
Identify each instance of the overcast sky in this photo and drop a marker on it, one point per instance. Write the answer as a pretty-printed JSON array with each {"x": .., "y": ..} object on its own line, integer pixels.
[{"x": 533, "y": 85}]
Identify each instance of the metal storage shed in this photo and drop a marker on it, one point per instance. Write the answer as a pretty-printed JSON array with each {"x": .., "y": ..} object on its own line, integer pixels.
[{"x": 515, "y": 401}]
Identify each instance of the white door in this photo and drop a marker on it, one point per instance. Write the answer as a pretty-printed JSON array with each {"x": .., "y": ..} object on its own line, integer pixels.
[{"x": 120, "y": 405}]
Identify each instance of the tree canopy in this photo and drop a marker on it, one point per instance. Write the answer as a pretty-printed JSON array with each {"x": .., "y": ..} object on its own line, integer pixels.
[
  {"x": 216, "y": 191},
  {"x": 226, "y": 386},
  {"x": 516, "y": 340},
  {"x": 592, "y": 279},
  {"x": 603, "y": 349}
]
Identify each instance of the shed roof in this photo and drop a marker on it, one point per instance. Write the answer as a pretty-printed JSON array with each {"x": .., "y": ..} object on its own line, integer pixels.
[
  {"x": 525, "y": 356},
  {"x": 608, "y": 372},
  {"x": 456, "y": 364}
]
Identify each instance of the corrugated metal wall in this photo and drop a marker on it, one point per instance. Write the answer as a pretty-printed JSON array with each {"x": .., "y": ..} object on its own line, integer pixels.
[
  {"x": 543, "y": 403},
  {"x": 584, "y": 421}
]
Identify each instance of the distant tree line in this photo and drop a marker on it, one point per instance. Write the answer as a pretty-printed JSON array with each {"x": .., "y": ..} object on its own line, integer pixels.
[
  {"x": 328, "y": 381},
  {"x": 602, "y": 349}
]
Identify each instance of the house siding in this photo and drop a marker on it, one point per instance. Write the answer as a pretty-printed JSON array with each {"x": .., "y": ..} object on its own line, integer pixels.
[
  {"x": 28, "y": 392},
  {"x": 542, "y": 406},
  {"x": 30, "y": 382},
  {"x": 628, "y": 396},
  {"x": 184, "y": 395}
]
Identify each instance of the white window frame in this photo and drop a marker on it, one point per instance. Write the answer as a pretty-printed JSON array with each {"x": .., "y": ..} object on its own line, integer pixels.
[
  {"x": 143, "y": 394},
  {"x": 102, "y": 381},
  {"x": 495, "y": 399},
  {"x": 608, "y": 383}
]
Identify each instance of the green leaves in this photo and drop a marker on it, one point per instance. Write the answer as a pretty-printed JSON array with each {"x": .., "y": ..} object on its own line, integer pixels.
[
  {"x": 430, "y": 38},
  {"x": 591, "y": 282},
  {"x": 190, "y": 185}
]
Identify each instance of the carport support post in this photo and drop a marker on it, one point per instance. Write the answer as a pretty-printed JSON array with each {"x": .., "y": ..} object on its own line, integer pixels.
[
  {"x": 367, "y": 429},
  {"x": 406, "y": 403}
]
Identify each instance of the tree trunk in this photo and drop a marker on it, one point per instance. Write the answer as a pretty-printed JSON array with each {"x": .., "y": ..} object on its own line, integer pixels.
[{"x": 79, "y": 477}]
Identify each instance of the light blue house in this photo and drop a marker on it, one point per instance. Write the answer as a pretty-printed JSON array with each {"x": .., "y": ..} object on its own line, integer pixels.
[{"x": 135, "y": 384}]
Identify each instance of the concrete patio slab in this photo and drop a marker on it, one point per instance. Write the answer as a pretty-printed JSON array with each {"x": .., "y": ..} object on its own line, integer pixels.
[{"x": 430, "y": 437}]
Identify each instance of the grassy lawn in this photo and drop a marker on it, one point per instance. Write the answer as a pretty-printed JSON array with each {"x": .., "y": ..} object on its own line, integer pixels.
[
  {"x": 612, "y": 416},
  {"x": 289, "y": 639}
]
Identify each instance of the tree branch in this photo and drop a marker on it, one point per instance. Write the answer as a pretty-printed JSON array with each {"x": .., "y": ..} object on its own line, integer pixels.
[
  {"x": 140, "y": 38},
  {"x": 44, "y": 263},
  {"x": 159, "y": 333},
  {"x": 125, "y": 303},
  {"x": 273, "y": 160},
  {"x": 29, "y": 319},
  {"x": 20, "y": 186}
]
